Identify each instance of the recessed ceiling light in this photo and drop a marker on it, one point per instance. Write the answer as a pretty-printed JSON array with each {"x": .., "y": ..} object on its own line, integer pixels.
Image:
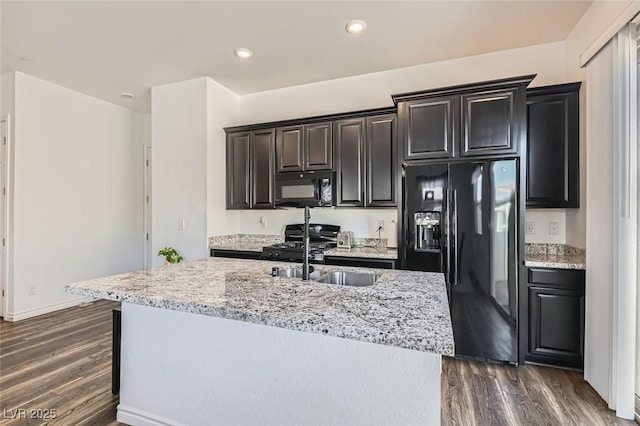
[
  {"x": 127, "y": 95},
  {"x": 26, "y": 58},
  {"x": 243, "y": 53},
  {"x": 355, "y": 26}
]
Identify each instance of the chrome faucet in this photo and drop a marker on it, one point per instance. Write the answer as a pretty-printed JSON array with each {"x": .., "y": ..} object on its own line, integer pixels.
[{"x": 305, "y": 264}]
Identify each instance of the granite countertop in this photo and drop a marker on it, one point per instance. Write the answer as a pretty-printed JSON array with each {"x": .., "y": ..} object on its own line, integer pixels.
[
  {"x": 372, "y": 252},
  {"x": 560, "y": 261},
  {"x": 560, "y": 256},
  {"x": 244, "y": 242},
  {"x": 403, "y": 308}
]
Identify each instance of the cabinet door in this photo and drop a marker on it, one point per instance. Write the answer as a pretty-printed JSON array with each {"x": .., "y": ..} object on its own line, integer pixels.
[
  {"x": 289, "y": 149},
  {"x": 349, "y": 137},
  {"x": 238, "y": 170},
  {"x": 552, "y": 150},
  {"x": 318, "y": 147},
  {"x": 262, "y": 169},
  {"x": 428, "y": 127},
  {"x": 490, "y": 122},
  {"x": 381, "y": 167},
  {"x": 556, "y": 317}
]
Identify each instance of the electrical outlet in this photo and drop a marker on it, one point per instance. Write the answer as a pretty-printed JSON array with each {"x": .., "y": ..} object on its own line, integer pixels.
[
  {"x": 263, "y": 222},
  {"x": 380, "y": 225},
  {"x": 554, "y": 228},
  {"x": 530, "y": 228},
  {"x": 32, "y": 290}
]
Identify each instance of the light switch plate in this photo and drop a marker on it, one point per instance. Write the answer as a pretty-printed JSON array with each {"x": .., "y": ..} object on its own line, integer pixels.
[{"x": 554, "y": 228}]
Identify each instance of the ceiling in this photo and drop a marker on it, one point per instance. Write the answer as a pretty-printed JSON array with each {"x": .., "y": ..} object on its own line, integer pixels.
[{"x": 105, "y": 48}]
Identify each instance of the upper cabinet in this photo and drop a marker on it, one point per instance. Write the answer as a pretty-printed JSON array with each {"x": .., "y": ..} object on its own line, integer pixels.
[
  {"x": 366, "y": 161},
  {"x": 490, "y": 122},
  {"x": 361, "y": 147},
  {"x": 289, "y": 149},
  {"x": 304, "y": 147},
  {"x": 238, "y": 170},
  {"x": 553, "y": 171},
  {"x": 350, "y": 137},
  {"x": 381, "y": 169},
  {"x": 250, "y": 169},
  {"x": 483, "y": 119},
  {"x": 427, "y": 127}
]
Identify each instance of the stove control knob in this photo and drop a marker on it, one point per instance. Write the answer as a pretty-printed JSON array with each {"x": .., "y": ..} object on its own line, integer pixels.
[
  {"x": 276, "y": 254},
  {"x": 312, "y": 255}
]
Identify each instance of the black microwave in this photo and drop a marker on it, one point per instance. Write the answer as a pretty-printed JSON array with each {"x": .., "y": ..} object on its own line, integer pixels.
[{"x": 300, "y": 189}]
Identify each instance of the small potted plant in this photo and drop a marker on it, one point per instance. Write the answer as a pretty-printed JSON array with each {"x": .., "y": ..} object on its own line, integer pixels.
[{"x": 171, "y": 255}]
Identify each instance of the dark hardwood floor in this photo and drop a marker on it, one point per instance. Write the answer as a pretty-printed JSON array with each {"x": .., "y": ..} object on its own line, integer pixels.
[
  {"x": 62, "y": 361},
  {"x": 59, "y": 361}
]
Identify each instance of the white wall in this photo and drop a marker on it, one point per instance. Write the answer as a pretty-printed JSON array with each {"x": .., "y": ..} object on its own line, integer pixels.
[
  {"x": 179, "y": 168},
  {"x": 375, "y": 90},
  {"x": 222, "y": 111},
  {"x": 363, "y": 222},
  {"x": 78, "y": 193}
]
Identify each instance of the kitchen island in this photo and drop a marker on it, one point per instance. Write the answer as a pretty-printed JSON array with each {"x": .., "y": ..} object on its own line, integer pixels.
[{"x": 221, "y": 341}]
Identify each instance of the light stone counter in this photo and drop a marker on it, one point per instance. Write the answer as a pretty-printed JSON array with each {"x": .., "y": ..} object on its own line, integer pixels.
[
  {"x": 244, "y": 242},
  {"x": 560, "y": 256},
  {"x": 365, "y": 252},
  {"x": 403, "y": 309}
]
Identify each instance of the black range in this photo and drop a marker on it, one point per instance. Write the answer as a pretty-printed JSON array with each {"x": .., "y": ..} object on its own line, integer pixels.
[{"x": 323, "y": 237}]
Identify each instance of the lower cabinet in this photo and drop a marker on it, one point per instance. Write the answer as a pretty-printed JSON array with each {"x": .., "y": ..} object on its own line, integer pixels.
[
  {"x": 361, "y": 262},
  {"x": 556, "y": 317},
  {"x": 235, "y": 254}
]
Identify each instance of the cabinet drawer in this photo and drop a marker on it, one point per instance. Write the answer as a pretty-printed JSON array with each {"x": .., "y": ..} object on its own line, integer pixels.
[{"x": 573, "y": 278}]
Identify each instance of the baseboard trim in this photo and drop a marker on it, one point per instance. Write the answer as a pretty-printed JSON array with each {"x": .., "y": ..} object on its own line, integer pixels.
[
  {"x": 12, "y": 316},
  {"x": 133, "y": 417}
]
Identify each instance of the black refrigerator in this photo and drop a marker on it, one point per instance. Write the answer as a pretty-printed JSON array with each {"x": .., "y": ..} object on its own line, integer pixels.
[{"x": 461, "y": 219}]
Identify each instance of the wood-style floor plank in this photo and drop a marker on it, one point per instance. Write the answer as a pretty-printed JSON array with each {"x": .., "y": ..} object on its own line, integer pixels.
[
  {"x": 59, "y": 361},
  {"x": 62, "y": 361},
  {"x": 526, "y": 395}
]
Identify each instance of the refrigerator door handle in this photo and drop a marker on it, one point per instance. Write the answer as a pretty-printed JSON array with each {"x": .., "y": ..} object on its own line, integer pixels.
[{"x": 455, "y": 237}]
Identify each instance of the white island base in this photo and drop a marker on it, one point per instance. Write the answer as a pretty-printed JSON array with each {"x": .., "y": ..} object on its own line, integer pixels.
[{"x": 181, "y": 368}]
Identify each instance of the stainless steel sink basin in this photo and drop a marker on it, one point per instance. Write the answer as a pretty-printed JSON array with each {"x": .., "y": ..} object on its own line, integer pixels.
[
  {"x": 297, "y": 273},
  {"x": 356, "y": 279}
]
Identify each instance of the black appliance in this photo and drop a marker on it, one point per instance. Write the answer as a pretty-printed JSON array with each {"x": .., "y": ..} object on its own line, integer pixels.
[
  {"x": 323, "y": 237},
  {"x": 462, "y": 219},
  {"x": 300, "y": 189}
]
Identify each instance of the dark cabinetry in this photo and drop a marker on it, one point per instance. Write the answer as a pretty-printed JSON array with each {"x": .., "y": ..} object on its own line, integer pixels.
[
  {"x": 235, "y": 254},
  {"x": 553, "y": 146},
  {"x": 238, "y": 170},
  {"x": 381, "y": 161},
  {"x": 481, "y": 119},
  {"x": 428, "y": 127},
  {"x": 366, "y": 161},
  {"x": 360, "y": 146},
  {"x": 250, "y": 169},
  {"x": 349, "y": 137},
  {"x": 305, "y": 147},
  {"x": 556, "y": 317},
  {"x": 360, "y": 262},
  {"x": 490, "y": 122}
]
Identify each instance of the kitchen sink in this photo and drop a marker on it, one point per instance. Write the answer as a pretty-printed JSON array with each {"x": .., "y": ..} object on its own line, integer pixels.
[
  {"x": 297, "y": 273},
  {"x": 356, "y": 279}
]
